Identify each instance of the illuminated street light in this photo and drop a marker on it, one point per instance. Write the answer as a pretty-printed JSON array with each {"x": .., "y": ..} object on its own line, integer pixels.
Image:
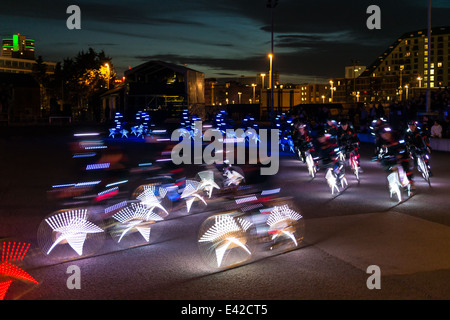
[
  {"x": 332, "y": 89},
  {"x": 262, "y": 76},
  {"x": 419, "y": 78},
  {"x": 109, "y": 74},
  {"x": 270, "y": 70},
  {"x": 271, "y": 4},
  {"x": 254, "y": 94}
]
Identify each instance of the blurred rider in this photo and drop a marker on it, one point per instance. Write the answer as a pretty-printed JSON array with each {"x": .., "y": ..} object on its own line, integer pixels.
[
  {"x": 327, "y": 152},
  {"x": 394, "y": 152},
  {"x": 417, "y": 144},
  {"x": 348, "y": 140},
  {"x": 302, "y": 141}
]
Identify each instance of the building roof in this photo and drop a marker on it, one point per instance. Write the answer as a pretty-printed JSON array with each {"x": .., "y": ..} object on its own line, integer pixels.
[
  {"x": 157, "y": 65},
  {"x": 412, "y": 34}
]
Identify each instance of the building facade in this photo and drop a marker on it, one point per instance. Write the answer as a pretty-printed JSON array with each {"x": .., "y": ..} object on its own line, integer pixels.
[
  {"x": 401, "y": 71},
  {"x": 18, "y": 55},
  {"x": 159, "y": 87}
]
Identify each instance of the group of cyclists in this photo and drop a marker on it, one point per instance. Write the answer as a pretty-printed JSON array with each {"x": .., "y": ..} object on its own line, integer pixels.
[
  {"x": 336, "y": 142},
  {"x": 394, "y": 148},
  {"x": 333, "y": 144}
]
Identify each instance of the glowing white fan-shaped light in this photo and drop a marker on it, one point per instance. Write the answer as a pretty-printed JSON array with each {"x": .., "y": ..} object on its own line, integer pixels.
[
  {"x": 72, "y": 226},
  {"x": 207, "y": 181},
  {"x": 226, "y": 231},
  {"x": 280, "y": 219},
  {"x": 190, "y": 193},
  {"x": 137, "y": 216},
  {"x": 149, "y": 199}
]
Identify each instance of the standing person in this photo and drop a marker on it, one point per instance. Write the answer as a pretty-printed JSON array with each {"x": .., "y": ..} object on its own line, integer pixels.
[
  {"x": 436, "y": 130},
  {"x": 363, "y": 120},
  {"x": 446, "y": 127},
  {"x": 373, "y": 113},
  {"x": 380, "y": 111}
]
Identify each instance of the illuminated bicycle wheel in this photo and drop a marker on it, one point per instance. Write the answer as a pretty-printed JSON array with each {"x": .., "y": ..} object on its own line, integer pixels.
[
  {"x": 225, "y": 240},
  {"x": 154, "y": 192},
  {"x": 311, "y": 165},
  {"x": 194, "y": 197},
  {"x": 284, "y": 228},
  {"x": 70, "y": 234},
  {"x": 137, "y": 224},
  {"x": 423, "y": 169}
]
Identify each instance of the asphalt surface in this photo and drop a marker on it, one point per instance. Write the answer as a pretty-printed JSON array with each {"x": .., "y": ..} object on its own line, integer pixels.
[{"x": 345, "y": 234}]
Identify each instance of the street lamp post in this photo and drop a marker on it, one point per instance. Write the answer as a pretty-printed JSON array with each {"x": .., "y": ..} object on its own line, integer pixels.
[
  {"x": 271, "y": 4},
  {"x": 109, "y": 75},
  {"x": 400, "y": 88},
  {"x": 271, "y": 81},
  {"x": 429, "y": 56},
  {"x": 254, "y": 93},
  {"x": 331, "y": 89}
]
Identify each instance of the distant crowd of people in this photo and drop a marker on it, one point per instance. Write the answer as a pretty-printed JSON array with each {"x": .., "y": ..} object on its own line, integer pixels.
[{"x": 397, "y": 113}]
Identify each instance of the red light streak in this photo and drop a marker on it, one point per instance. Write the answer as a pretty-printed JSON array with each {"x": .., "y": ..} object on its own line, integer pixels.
[{"x": 107, "y": 195}]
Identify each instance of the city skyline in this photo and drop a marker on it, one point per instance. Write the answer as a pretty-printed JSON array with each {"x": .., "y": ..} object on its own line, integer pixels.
[{"x": 313, "y": 41}]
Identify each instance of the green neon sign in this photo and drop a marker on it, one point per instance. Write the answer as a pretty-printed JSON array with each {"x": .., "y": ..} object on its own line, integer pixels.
[{"x": 15, "y": 42}]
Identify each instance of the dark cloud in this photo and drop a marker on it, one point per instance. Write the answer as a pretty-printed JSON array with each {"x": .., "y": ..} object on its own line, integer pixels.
[
  {"x": 313, "y": 38},
  {"x": 245, "y": 64}
]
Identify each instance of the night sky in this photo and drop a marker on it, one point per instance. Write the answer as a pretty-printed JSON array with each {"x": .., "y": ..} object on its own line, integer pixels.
[{"x": 314, "y": 40}]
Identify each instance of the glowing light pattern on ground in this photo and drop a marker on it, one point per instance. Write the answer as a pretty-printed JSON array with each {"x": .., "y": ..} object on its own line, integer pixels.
[
  {"x": 281, "y": 222},
  {"x": 12, "y": 251},
  {"x": 149, "y": 200},
  {"x": 207, "y": 182},
  {"x": 138, "y": 217},
  {"x": 71, "y": 227},
  {"x": 191, "y": 193},
  {"x": 226, "y": 233}
]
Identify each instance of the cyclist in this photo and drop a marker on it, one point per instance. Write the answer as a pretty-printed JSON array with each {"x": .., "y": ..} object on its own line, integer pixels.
[
  {"x": 331, "y": 128},
  {"x": 348, "y": 140},
  {"x": 302, "y": 141},
  {"x": 327, "y": 152},
  {"x": 417, "y": 144},
  {"x": 394, "y": 152},
  {"x": 376, "y": 128}
]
